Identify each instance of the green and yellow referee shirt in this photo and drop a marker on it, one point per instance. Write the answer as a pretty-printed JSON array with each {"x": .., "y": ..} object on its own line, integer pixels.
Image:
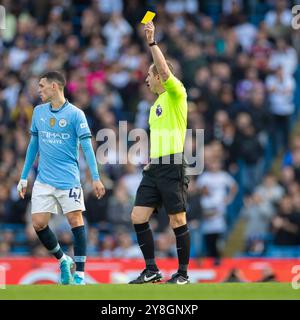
[{"x": 168, "y": 120}]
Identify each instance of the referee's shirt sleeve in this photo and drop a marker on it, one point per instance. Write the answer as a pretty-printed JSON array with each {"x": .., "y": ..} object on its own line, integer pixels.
[
  {"x": 33, "y": 128},
  {"x": 174, "y": 87},
  {"x": 82, "y": 127}
]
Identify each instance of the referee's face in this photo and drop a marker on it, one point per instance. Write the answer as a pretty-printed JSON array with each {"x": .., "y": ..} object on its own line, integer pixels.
[{"x": 152, "y": 81}]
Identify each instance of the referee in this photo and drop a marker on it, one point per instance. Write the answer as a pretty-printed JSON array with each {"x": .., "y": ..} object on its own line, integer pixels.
[{"x": 164, "y": 181}]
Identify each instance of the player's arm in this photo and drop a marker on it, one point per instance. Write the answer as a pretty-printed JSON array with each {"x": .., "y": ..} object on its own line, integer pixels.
[
  {"x": 158, "y": 57},
  {"x": 31, "y": 153},
  {"x": 84, "y": 135},
  {"x": 89, "y": 155},
  {"x": 88, "y": 152},
  {"x": 171, "y": 84}
]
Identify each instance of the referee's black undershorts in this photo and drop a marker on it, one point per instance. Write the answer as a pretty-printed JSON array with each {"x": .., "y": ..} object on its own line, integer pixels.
[{"x": 163, "y": 185}]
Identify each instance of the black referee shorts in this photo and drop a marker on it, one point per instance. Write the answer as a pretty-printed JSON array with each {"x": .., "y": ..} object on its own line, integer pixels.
[{"x": 163, "y": 185}]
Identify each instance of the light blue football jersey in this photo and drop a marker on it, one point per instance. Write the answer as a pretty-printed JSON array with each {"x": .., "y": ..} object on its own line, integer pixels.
[{"x": 58, "y": 134}]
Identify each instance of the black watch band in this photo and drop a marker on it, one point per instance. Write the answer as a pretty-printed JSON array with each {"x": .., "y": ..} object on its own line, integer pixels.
[{"x": 154, "y": 43}]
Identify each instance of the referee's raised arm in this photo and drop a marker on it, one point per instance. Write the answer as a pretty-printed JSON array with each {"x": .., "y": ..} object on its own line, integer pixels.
[{"x": 158, "y": 57}]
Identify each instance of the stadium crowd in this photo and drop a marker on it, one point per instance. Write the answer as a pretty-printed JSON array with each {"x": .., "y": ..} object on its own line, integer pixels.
[{"x": 239, "y": 63}]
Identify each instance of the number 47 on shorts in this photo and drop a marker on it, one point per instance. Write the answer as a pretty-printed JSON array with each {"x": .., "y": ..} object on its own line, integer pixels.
[{"x": 75, "y": 193}]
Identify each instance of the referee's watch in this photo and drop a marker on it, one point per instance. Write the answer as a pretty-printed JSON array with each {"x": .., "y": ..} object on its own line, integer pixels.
[{"x": 154, "y": 43}]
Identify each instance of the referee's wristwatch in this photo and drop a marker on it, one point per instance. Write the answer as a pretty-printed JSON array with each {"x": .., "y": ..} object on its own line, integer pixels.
[{"x": 154, "y": 43}]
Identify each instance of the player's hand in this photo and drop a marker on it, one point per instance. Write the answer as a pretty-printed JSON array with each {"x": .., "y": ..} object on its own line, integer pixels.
[
  {"x": 22, "y": 186},
  {"x": 99, "y": 189},
  {"x": 149, "y": 30}
]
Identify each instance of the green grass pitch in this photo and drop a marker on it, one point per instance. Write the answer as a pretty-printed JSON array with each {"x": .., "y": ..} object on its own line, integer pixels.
[{"x": 205, "y": 291}]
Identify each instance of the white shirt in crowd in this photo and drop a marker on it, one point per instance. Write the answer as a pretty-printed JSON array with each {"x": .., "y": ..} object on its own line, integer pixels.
[
  {"x": 281, "y": 100},
  {"x": 181, "y": 6},
  {"x": 250, "y": 30},
  {"x": 218, "y": 185},
  {"x": 286, "y": 59},
  {"x": 108, "y": 7},
  {"x": 131, "y": 182},
  {"x": 285, "y": 18}
]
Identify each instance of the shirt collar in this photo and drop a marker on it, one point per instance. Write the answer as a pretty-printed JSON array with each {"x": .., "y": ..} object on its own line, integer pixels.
[{"x": 60, "y": 108}]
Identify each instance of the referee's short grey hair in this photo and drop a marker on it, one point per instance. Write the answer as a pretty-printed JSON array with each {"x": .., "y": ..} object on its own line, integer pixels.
[{"x": 154, "y": 69}]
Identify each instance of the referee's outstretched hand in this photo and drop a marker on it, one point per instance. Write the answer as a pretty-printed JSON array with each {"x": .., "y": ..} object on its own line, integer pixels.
[
  {"x": 99, "y": 189},
  {"x": 149, "y": 30}
]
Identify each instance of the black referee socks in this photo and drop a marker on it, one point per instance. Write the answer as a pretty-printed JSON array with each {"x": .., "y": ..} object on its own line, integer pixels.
[
  {"x": 183, "y": 244},
  {"x": 146, "y": 243}
]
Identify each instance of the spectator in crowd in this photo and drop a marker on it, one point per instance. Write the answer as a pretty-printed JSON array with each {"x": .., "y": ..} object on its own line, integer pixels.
[
  {"x": 287, "y": 176},
  {"x": 250, "y": 84},
  {"x": 125, "y": 248},
  {"x": 270, "y": 190},
  {"x": 119, "y": 208},
  {"x": 261, "y": 51},
  {"x": 286, "y": 224},
  {"x": 245, "y": 27},
  {"x": 249, "y": 150},
  {"x": 279, "y": 20},
  {"x": 257, "y": 213},
  {"x": 283, "y": 56},
  {"x": 288, "y": 158},
  {"x": 93, "y": 242},
  {"x": 217, "y": 190},
  {"x": 107, "y": 246},
  {"x": 281, "y": 88},
  {"x": 194, "y": 217},
  {"x": 165, "y": 245}
]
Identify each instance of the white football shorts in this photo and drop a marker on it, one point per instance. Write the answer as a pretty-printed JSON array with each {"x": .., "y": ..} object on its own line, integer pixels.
[{"x": 46, "y": 198}]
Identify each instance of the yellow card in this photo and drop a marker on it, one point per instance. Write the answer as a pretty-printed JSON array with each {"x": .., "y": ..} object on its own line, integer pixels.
[{"x": 148, "y": 17}]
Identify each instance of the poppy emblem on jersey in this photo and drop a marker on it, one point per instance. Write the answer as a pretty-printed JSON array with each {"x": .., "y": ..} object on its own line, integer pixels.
[
  {"x": 158, "y": 110},
  {"x": 62, "y": 123},
  {"x": 52, "y": 122}
]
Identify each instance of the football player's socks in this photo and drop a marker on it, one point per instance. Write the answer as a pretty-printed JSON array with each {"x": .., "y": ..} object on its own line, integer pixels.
[
  {"x": 146, "y": 243},
  {"x": 183, "y": 248},
  {"x": 62, "y": 258},
  {"x": 79, "y": 249},
  {"x": 49, "y": 240}
]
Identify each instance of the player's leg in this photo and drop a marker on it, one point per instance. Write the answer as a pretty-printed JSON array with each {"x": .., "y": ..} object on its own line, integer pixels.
[
  {"x": 78, "y": 229},
  {"x": 146, "y": 200},
  {"x": 72, "y": 204},
  {"x": 45, "y": 234},
  {"x": 183, "y": 243},
  {"x": 48, "y": 239},
  {"x": 173, "y": 186},
  {"x": 43, "y": 204},
  {"x": 140, "y": 218}
]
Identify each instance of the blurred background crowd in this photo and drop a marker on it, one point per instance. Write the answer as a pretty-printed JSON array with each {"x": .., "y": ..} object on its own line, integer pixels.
[{"x": 239, "y": 61}]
